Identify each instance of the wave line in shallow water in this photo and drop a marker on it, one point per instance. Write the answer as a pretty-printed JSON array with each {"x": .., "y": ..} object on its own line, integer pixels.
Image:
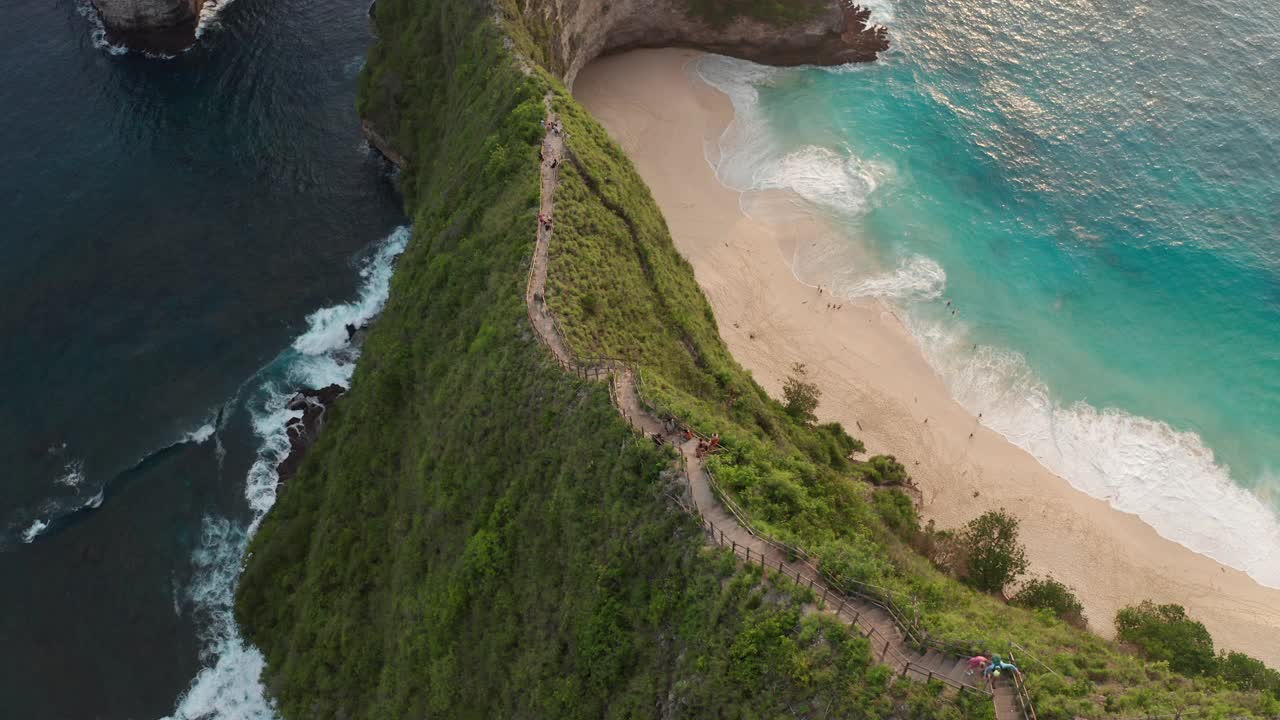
[{"x": 229, "y": 686}]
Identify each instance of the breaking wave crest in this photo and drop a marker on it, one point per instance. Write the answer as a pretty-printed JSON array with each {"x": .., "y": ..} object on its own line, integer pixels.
[
  {"x": 749, "y": 158},
  {"x": 1167, "y": 477},
  {"x": 228, "y": 686}
]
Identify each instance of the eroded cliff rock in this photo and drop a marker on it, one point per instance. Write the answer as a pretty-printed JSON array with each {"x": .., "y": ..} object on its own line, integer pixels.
[
  {"x": 837, "y": 32},
  {"x": 150, "y": 25}
]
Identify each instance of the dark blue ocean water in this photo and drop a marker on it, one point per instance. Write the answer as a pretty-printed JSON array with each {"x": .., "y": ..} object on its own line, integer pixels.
[
  {"x": 167, "y": 227},
  {"x": 1094, "y": 186}
]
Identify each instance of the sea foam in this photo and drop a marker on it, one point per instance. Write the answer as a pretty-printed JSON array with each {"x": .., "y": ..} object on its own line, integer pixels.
[
  {"x": 1139, "y": 465},
  {"x": 748, "y": 157},
  {"x": 228, "y": 686}
]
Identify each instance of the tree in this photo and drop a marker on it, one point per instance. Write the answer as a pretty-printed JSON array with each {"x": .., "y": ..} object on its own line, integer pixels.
[
  {"x": 995, "y": 558},
  {"x": 1165, "y": 632},
  {"x": 801, "y": 395},
  {"x": 1049, "y": 594},
  {"x": 1248, "y": 673}
]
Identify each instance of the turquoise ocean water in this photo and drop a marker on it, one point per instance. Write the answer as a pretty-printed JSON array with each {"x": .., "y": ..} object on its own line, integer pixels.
[{"x": 1094, "y": 186}]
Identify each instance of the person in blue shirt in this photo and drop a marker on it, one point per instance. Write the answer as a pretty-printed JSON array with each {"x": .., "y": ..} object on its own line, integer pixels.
[{"x": 999, "y": 666}]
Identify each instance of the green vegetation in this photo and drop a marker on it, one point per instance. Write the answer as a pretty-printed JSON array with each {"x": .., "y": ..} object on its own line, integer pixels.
[
  {"x": 1057, "y": 598},
  {"x": 722, "y": 12},
  {"x": 800, "y": 396},
  {"x": 1166, "y": 633},
  {"x": 478, "y": 535},
  {"x": 994, "y": 556}
]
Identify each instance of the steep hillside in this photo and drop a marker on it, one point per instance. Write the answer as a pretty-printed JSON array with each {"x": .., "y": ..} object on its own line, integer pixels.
[{"x": 479, "y": 534}]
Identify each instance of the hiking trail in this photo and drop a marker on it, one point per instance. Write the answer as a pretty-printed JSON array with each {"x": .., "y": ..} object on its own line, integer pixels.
[{"x": 893, "y": 642}]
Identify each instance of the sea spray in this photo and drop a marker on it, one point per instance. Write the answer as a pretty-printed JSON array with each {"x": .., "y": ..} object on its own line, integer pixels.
[{"x": 229, "y": 686}]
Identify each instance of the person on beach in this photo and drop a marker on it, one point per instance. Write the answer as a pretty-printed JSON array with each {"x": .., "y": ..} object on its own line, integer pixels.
[{"x": 977, "y": 662}]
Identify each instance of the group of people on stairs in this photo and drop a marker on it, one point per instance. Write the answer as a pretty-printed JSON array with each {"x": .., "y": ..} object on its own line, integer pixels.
[{"x": 992, "y": 668}]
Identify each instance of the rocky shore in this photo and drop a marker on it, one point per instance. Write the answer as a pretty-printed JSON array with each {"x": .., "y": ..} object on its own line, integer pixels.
[
  {"x": 166, "y": 26},
  {"x": 305, "y": 430}
]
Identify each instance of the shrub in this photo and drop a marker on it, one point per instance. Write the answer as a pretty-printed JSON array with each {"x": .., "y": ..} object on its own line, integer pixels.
[
  {"x": 898, "y": 512},
  {"x": 994, "y": 556},
  {"x": 801, "y": 395},
  {"x": 1165, "y": 632},
  {"x": 1248, "y": 673},
  {"x": 884, "y": 470},
  {"x": 944, "y": 549},
  {"x": 1049, "y": 594}
]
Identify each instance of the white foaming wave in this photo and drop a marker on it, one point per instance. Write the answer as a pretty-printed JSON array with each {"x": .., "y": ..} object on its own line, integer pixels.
[
  {"x": 98, "y": 31},
  {"x": 72, "y": 474},
  {"x": 1166, "y": 477},
  {"x": 748, "y": 156},
  {"x": 917, "y": 278},
  {"x": 200, "y": 435},
  {"x": 746, "y": 142},
  {"x": 824, "y": 177},
  {"x": 33, "y": 530},
  {"x": 229, "y": 685},
  {"x": 95, "y": 502},
  {"x": 882, "y": 11},
  {"x": 210, "y": 16},
  {"x": 328, "y": 326}
]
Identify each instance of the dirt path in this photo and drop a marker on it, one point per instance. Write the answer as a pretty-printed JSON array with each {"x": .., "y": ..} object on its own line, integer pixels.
[{"x": 724, "y": 523}]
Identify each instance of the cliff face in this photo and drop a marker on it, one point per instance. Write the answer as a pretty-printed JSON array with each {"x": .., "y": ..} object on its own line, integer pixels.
[
  {"x": 152, "y": 25},
  {"x": 834, "y": 32}
]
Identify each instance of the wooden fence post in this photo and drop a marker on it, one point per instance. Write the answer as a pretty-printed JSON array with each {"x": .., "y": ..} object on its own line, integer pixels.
[{"x": 884, "y": 652}]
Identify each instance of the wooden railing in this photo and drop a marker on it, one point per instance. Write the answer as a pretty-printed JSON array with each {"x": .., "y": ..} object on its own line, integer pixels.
[
  {"x": 1020, "y": 692},
  {"x": 884, "y": 648}
]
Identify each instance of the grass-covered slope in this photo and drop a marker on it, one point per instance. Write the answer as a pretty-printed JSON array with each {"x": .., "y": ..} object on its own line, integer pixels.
[{"x": 477, "y": 534}]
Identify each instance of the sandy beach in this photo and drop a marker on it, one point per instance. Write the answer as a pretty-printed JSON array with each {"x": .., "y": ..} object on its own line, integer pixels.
[{"x": 874, "y": 378}]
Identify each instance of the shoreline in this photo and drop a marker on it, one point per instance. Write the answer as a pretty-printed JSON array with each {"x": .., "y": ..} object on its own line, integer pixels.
[{"x": 874, "y": 377}]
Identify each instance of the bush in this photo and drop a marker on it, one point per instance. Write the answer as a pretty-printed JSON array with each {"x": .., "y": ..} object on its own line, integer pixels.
[
  {"x": 801, "y": 395},
  {"x": 995, "y": 558},
  {"x": 1165, "y": 632},
  {"x": 884, "y": 470},
  {"x": 1049, "y": 594},
  {"x": 944, "y": 549},
  {"x": 1248, "y": 673},
  {"x": 898, "y": 512}
]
